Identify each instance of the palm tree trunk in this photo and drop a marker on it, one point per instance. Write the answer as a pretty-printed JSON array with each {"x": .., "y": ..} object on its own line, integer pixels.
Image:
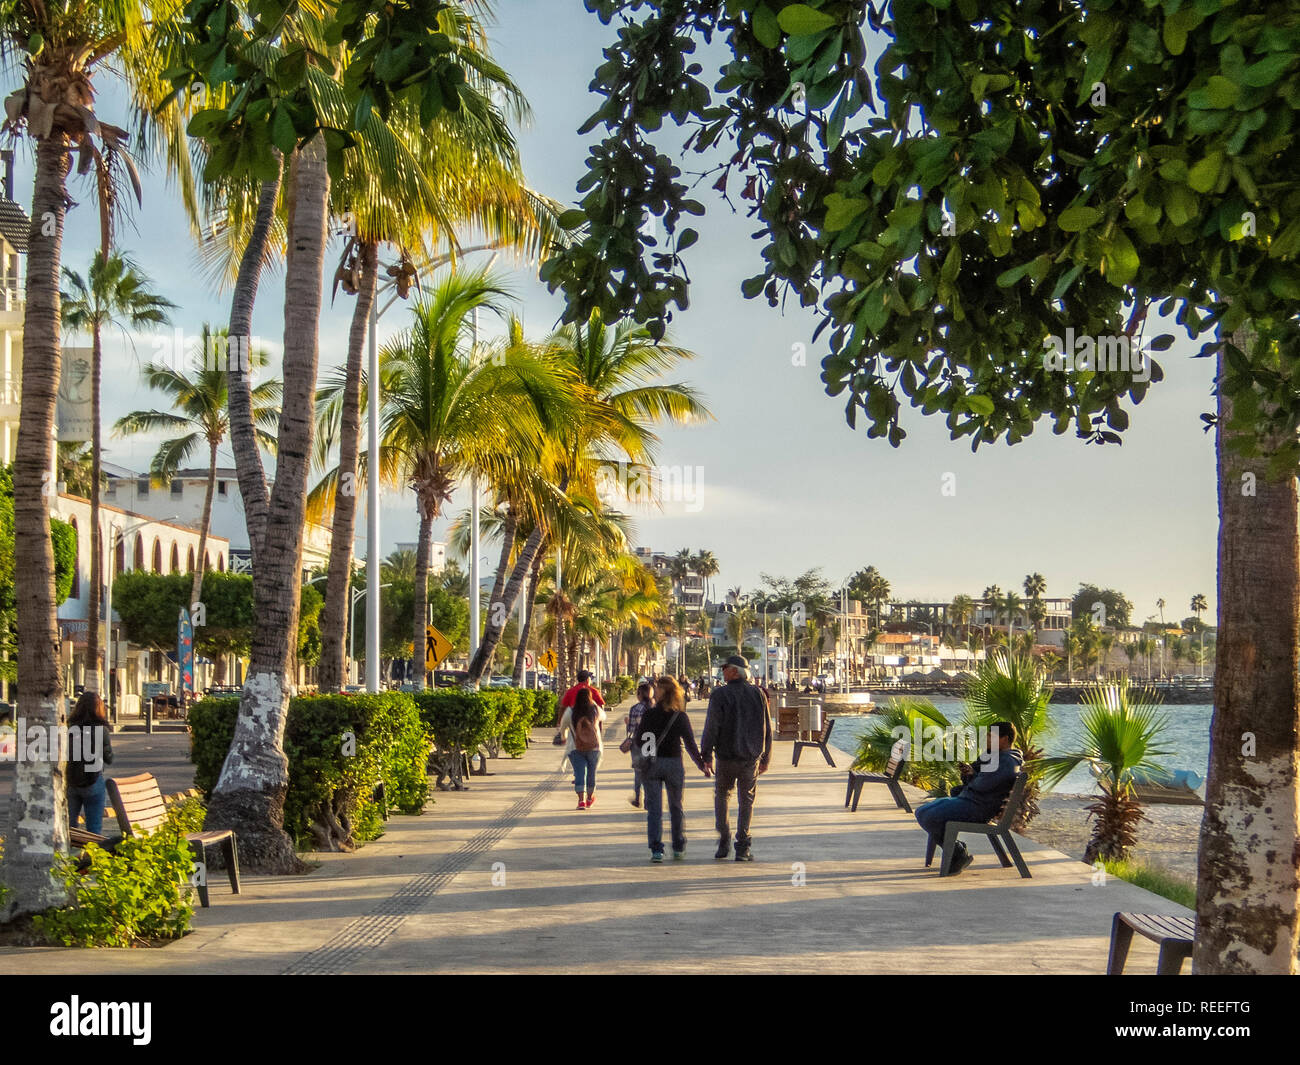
[
  {"x": 94, "y": 601},
  {"x": 526, "y": 632},
  {"x": 334, "y": 615},
  {"x": 485, "y": 653},
  {"x": 196, "y": 585},
  {"x": 492, "y": 631},
  {"x": 1247, "y": 879},
  {"x": 422, "y": 594},
  {"x": 37, "y": 832},
  {"x": 249, "y": 795},
  {"x": 243, "y": 435}
]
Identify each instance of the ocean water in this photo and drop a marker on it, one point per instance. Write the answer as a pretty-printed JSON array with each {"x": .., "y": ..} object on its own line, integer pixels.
[{"x": 1186, "y": 735}]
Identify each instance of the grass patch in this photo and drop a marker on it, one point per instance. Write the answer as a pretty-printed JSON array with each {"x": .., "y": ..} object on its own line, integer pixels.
[{"x": 1159, "y": 881}]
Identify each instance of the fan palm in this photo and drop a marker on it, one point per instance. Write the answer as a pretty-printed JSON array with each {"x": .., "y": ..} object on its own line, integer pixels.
[
  {"x": 114, "y": 292},
  {"x": 706, "y": 566},
  {"x": 1014, "y": 688},
  {"x": 906, "y": 719},
  {"x": 1121, "y": 738},
  {"x": 201, "y": 402}
]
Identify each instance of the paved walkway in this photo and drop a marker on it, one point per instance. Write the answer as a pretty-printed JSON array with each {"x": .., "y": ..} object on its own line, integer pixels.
[{"x": 509, "y": 877}]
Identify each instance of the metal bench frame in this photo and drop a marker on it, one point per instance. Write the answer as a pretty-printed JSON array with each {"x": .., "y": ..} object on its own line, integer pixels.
[
  {"x": 889, "y": 778},
  {"x": 820, "y": 744},
  {"x": 1175, "y": 934},
  {"x": 998, "y": 832}
]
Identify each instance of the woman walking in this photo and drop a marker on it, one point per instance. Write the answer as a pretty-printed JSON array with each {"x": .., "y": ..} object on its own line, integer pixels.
[
  {"x": 644, "y": 701},
  {"x": 664, "y": 729},
  {"x": 86, "y": 785},
  {"x": 581, "y": 727}
]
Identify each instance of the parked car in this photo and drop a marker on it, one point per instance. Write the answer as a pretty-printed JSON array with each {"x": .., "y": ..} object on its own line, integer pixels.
[
  {"x": 449, "y": 678},
  {"x": 500, "y": 681}
]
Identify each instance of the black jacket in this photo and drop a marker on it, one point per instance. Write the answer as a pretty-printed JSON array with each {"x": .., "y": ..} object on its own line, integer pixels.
[
  {"x": 79, "y": 773},
  {"x": 737, "y": 726},
  {"x": 987, "y": 787},
  {"x": 655, "y": 723}
]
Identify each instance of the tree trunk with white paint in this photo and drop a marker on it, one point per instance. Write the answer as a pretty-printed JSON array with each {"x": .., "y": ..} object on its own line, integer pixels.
[
  {"x": 37, "y": 829},
  {"x": 95, "y": 600},
  {"x": 249, "y": 796},
  {"x": 1247, "y": 877}
]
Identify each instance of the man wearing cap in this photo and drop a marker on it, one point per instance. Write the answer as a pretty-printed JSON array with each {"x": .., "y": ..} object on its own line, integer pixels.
[
  {"x": 738, "y": 730},
  {"x": 584, "y": 681}
]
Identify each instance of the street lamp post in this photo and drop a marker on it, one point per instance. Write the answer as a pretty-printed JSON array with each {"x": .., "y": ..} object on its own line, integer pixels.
[{"x": 120, "y": 532}]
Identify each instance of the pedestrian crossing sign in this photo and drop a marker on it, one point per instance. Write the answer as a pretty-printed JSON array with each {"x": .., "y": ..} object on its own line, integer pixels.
[{"x": 436, "y": 647}]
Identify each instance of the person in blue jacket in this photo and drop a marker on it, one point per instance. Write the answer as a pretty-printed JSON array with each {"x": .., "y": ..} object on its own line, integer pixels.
[{"x": 985, "y": 788}]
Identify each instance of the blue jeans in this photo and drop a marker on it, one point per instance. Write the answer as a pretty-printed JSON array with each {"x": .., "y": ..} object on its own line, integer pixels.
[
  {"x": 90, "y": 801},
  {"x": 934, "y": 815},
  {"x": 636, "y": 783},
  {"x": 664, "y": 772},
  {"x": 584, "y": 771}
]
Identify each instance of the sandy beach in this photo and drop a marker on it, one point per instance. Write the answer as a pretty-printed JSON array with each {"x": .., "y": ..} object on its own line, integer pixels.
[{"x": 1167, "y": 839}]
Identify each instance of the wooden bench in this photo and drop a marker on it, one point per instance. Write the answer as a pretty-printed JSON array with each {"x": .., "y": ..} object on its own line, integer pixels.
[
  {"x": 857, "y": 778},
  {"x": 139, "y": 805},
  {"x": 819, "y": 742},
  {"x": 1174, "y": 934},
  {"x": 998, "y": 832}
]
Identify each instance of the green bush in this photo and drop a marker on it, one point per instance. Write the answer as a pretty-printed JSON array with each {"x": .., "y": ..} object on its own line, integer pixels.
[
  {"x": 141, "y": 893},
  {"x": 338, "y": 747},
  {"x": 545, "y": 704},
  {"x": 616, "y": 689}
]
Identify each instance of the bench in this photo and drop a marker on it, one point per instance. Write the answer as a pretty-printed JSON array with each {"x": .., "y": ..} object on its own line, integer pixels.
[
  {"x": 857, "y": 778},
  {"x": 139, "y": 806},
  {"x": 998, "y": 832},
  {"x": 820, "y": 743},
  {"x": 1174, "y": 934}
]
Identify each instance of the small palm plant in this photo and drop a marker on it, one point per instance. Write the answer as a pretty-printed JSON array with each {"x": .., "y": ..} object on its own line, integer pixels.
[
  {"x": 1121, "y": 739},
  {"x": 1014, "y": 688},
  {"x": 917, "y": 718}
]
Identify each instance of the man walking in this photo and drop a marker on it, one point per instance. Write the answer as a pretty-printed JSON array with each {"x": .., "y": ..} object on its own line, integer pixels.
[
  {"x": 584, "y": 681},
  {"x": 738, "y": 729}
]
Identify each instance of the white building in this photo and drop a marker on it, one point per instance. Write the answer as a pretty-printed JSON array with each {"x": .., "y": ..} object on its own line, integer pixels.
[{"x": 139, "y": 544}]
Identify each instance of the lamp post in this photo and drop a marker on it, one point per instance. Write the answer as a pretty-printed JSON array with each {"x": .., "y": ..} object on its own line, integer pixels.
[{"x": 114, "y": 533}]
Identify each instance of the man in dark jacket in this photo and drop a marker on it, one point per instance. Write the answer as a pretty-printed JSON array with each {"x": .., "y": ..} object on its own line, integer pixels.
[
  {"x": 738, "y": 729},
  {"x": 986, "y": 786}
]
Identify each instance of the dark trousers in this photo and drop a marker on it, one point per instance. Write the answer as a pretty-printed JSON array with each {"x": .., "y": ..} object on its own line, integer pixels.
[
  {"x": 934, "y": 815},
  {"x": 89, "y": 801},
  {"x": 664, "y": 773},
  {"x": 742, "y": 775}
]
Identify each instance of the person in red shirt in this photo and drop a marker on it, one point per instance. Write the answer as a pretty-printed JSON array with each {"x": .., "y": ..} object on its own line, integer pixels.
[{"x": 584, "y": 681}]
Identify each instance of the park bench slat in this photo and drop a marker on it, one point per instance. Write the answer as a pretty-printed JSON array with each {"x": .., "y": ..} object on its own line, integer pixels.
[{"x": 1175, "y": 933}]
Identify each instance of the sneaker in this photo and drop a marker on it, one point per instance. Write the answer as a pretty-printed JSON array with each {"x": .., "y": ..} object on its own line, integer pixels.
[
  {"x": 591, "y": 799},
  {"x": 679, "y": 856},
  {"x": 724, "y": 848},
  {"x": 960, "y": 860},
  {"x": 743, "y": 855},
  {"x": 582, "y": 804},
  {"x": 657, "y": 856}
]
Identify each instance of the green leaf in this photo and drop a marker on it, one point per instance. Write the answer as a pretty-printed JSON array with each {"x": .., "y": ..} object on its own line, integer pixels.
[
  {"x": 1221, "y": 93},
  {"x": 1075, "y": 219},
  {"x": 981, "y": 405},
  {"x": 283, "y": 135},
  {"x": 841, "y": 210},
  {"x": 1119, "y": 258},
  {"x": 1204, "y": 176},
  {"x": 1267, "y": 70},
  {"x": 799, "y": 20},
  {"x": 572, "y": 219},
  {"x": 1009, "y": 277},
  {"x": 766, "y": 27}
]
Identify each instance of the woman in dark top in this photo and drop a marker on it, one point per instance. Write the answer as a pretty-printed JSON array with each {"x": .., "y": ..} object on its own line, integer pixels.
[
  {"x": 86, "y": 786},
  {"x": 664, "y": 729}
]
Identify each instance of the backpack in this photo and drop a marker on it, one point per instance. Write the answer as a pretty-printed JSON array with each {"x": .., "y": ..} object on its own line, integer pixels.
[{"x": 586, "y": 734}]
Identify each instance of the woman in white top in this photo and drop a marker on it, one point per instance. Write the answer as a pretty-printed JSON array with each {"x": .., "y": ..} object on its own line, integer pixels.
[{"x": 581, "y": 727}]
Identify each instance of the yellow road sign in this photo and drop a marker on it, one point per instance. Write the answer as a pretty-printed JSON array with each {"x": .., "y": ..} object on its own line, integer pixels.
[
  {"x": 548, "y": 660},
  {"x": 436, "y": 647}
]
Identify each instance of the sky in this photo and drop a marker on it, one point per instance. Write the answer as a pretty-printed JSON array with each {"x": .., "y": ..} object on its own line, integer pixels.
[{"x": 777, "y": 482}]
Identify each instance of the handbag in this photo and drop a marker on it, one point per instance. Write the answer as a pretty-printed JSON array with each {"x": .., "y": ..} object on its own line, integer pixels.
[{"x": 642, "y": 761}]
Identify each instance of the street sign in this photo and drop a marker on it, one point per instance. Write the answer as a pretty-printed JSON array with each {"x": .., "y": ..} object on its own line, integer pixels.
[
  {"x": 530, "y": 660},
  {"x": 436, "y": 647},
  {"x": 548, "y": 660}
]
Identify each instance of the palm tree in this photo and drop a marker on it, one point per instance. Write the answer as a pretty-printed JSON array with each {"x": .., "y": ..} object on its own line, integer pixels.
[
  {"x": 680, "y": 566},
  {"x": 1199, "y": 605},
  {"x": 1011, "y": 687},
  {"x": 202, "y": 402},
  {"x": 1131, "y": 652},
  {"x": 619, "y": 368},
  {"x": 1121, "y": 735},
  {"x": 113, "y": 293},
  {"x": 961, "y": 610},
  {"x": 706, "y": 566},
  {"x": 64, "y": 48},
  {"x": 1010, "y": 608},
  {"x": 450, "y": 409},
  {"x": 1035, "y": 585}
]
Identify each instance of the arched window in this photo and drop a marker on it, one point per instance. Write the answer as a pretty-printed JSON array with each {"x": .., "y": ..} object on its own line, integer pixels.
[
  {"x": 119, "y": 555},
  {"x": 139, "y": 552},
  {"x": 190, "y": 566},
  {"x": 157, "y": 555},
  {"x": 176, "y": 558},
  {"x": 221, "y": 563},
  {"x": 207, "y": 561},
  {"x": 76, "y": 561}
]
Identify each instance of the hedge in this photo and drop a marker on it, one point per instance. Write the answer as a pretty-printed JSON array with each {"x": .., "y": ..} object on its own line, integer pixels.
[
  {"x": 616, "y": 689},
  {"x": 338, "y": 747},
  {"x": 497, "y": 719}
]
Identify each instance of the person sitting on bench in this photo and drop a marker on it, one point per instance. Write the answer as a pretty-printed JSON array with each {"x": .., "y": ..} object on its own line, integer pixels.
[{"x": 985, "y": 788}]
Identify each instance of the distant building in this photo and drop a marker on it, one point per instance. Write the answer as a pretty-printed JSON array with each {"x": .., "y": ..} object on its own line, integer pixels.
[
  {"x": 437, "y": 554},
  {"x": 689, "y": 592}
]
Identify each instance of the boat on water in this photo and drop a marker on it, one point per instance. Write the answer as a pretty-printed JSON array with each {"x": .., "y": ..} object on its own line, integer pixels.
[{"x": 1181, "y": 787}]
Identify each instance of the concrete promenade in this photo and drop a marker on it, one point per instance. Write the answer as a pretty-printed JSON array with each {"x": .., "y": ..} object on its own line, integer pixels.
[{"x": 510, "y": 877}]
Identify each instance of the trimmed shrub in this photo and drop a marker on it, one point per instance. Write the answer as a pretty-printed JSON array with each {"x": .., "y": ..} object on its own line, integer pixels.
[
  {"x": 339, "y": 747},
  {"x": 460, "y": 722},
  {"x": 545, "y": 705},
  {"x": 616, "y": 689}
]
